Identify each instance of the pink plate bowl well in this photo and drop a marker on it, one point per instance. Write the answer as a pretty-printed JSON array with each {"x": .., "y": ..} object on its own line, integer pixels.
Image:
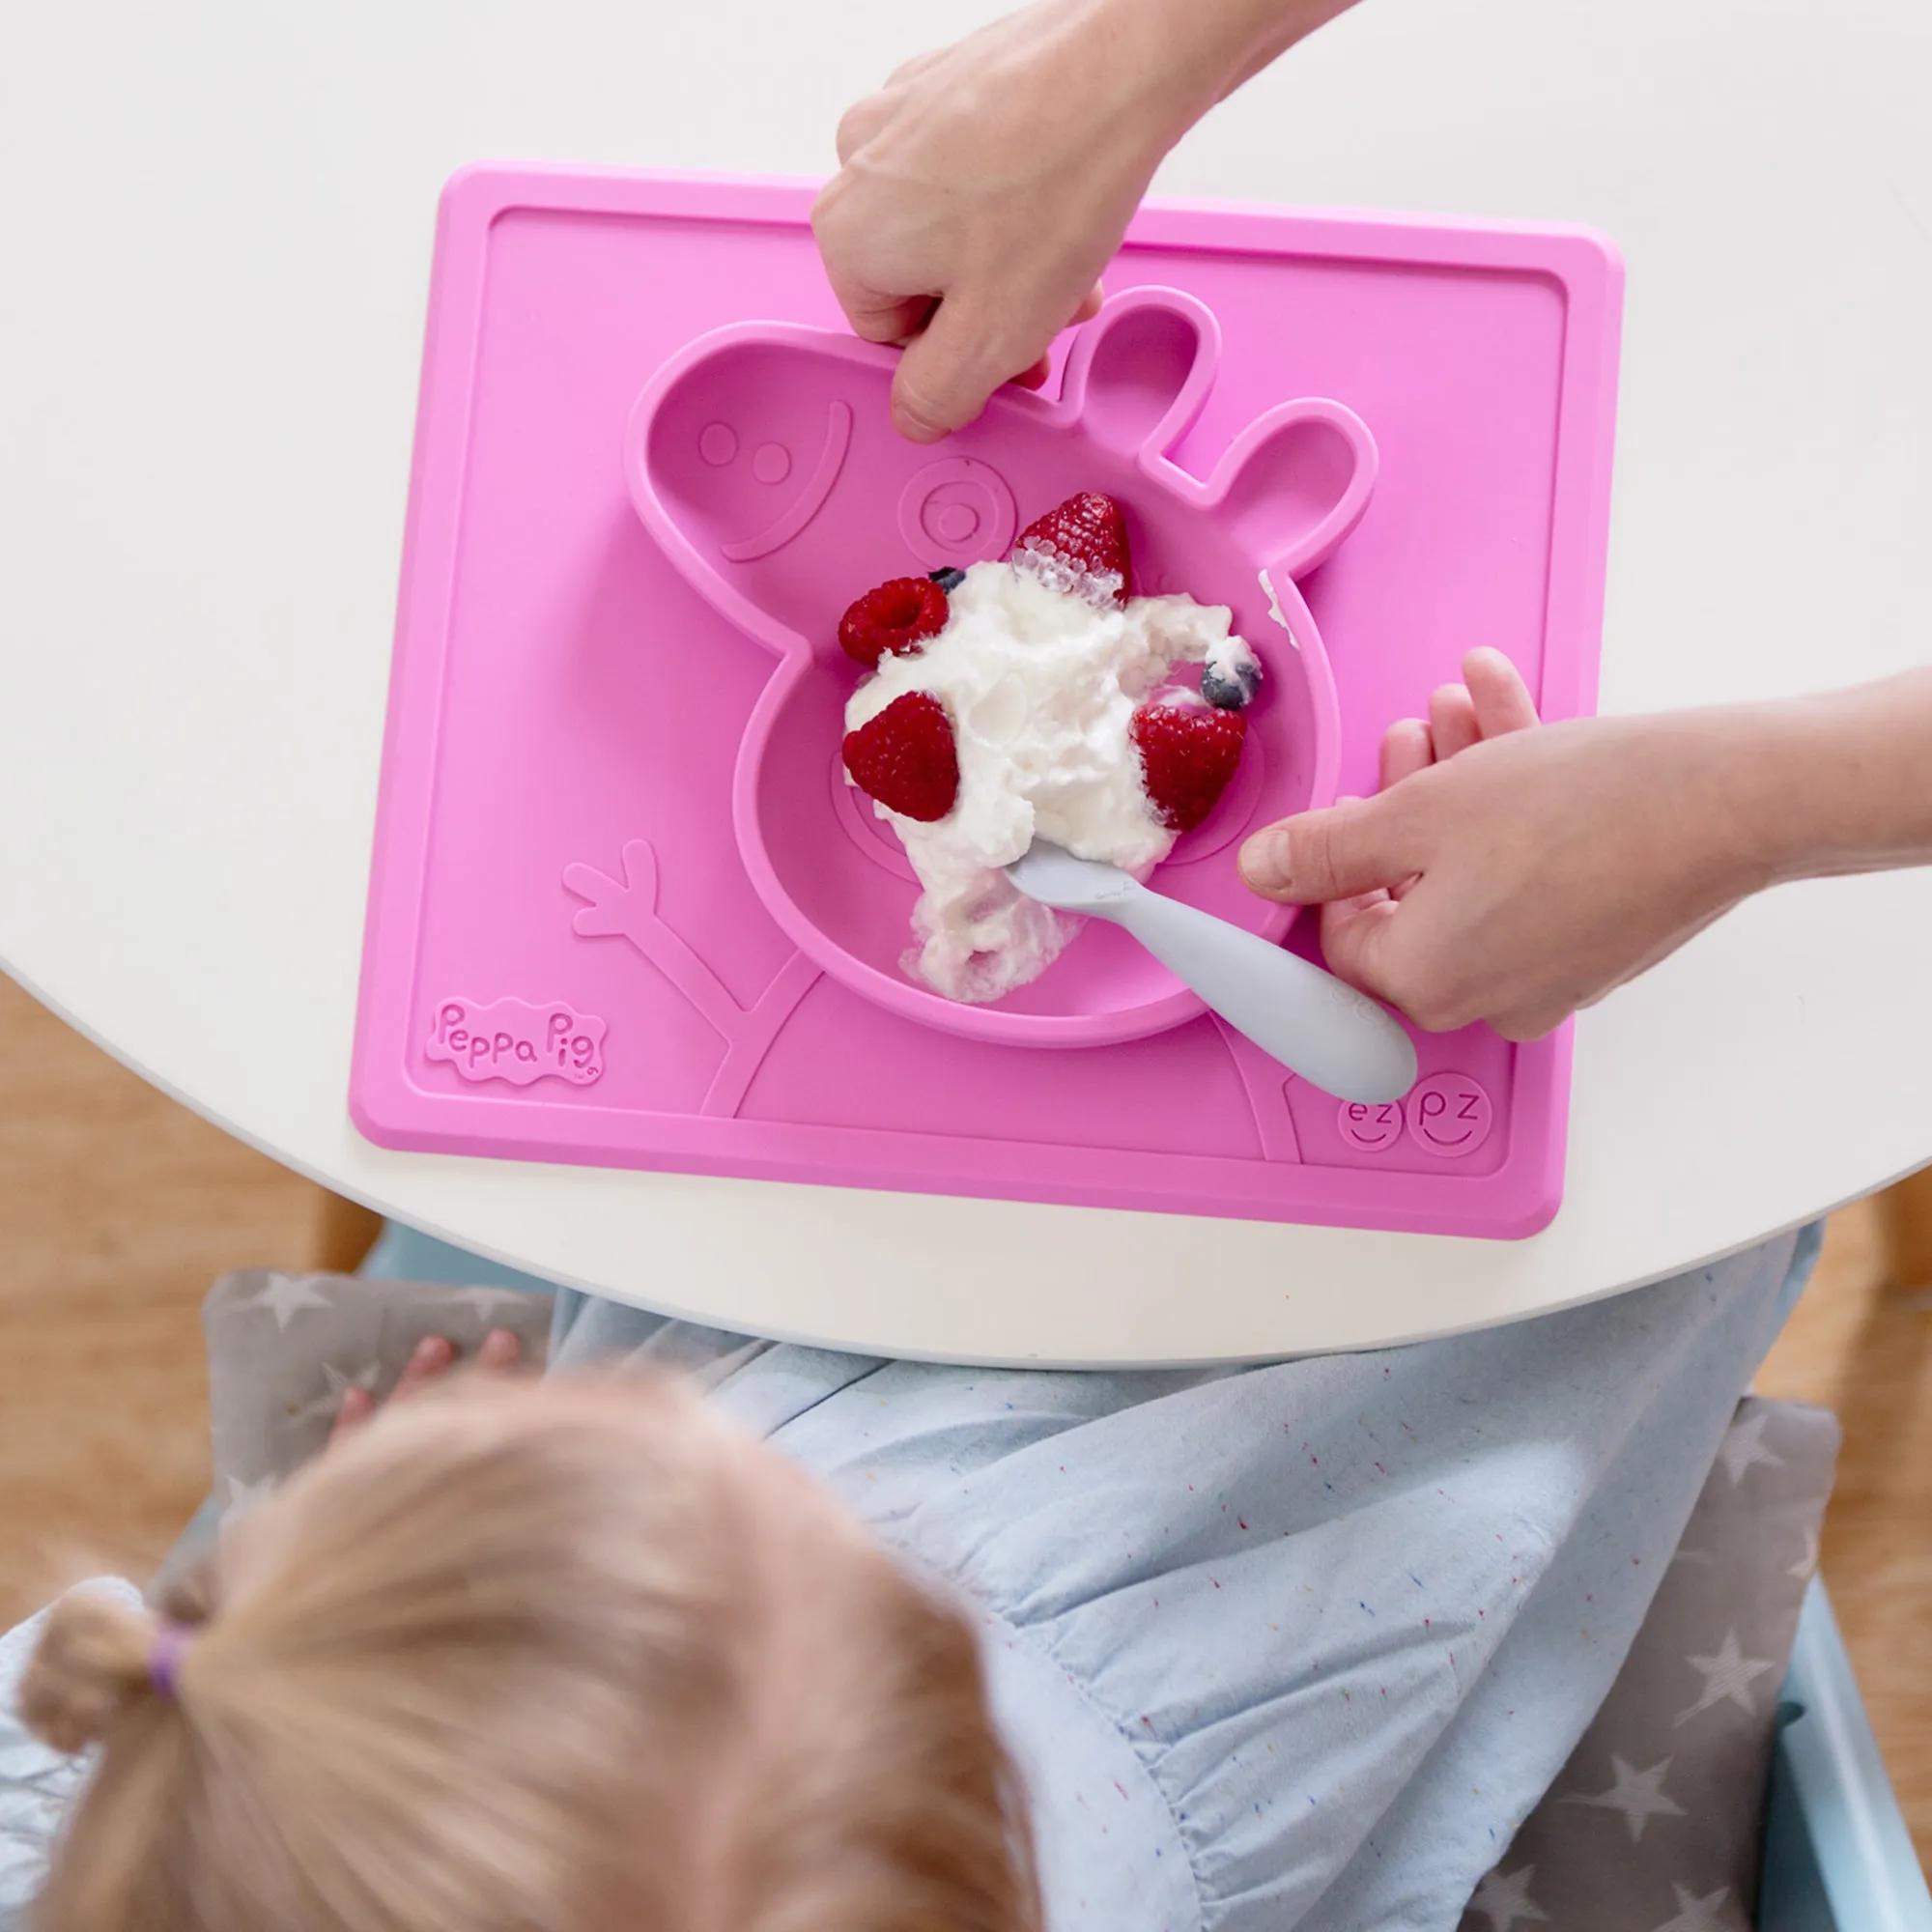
[{"x": 861, "y": 504}]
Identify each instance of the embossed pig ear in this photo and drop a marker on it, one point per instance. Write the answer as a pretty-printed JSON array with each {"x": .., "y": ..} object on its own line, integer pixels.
[
  {"x": 1295, "y": 482},
  {"x": 1140, "y": 371}
]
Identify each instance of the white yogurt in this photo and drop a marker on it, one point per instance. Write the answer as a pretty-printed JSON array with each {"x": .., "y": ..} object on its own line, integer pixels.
[{"x": 1040, "y": 686}]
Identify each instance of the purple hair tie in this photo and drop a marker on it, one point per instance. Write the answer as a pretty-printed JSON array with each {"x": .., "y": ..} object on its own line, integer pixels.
[{"x": 164, "y": 1659}]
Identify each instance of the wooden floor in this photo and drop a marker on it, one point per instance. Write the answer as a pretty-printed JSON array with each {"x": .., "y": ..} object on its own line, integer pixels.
[
  {"x": 1863, "y": 1346},
  {"x": 118, "y": 1207}
]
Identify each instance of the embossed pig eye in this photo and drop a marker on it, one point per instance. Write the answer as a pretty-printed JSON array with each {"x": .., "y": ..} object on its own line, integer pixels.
[
  {"x": 771, "y": 463},
  {"x": 958, "y": 510}
]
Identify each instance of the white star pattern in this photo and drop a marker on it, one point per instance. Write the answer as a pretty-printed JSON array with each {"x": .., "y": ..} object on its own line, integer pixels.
[
  {"x": 1743, "y": 1447},
  {"x": 1504, "y": 1900},
  {"x": 1635, "y": 1796},
  {"x": 1807, "y": 1565},
  {"x": 1696, "y": 1915},
  {"x": 286, "y": 1297},
  {"x": 484, "y": 1299},
  {"x": 1727, "y": 1678},
  {"x": 329, "y": 1401},
  {"x": 243, "y": 1497}
]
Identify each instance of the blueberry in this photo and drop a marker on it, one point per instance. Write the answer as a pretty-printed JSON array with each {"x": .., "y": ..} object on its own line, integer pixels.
[
  {"x": 1233, "y": 692},
  {"x": 948, "y": 579}
]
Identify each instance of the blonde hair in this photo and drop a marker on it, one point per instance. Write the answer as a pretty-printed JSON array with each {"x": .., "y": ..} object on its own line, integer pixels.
[{"x": 512, "y": 1660}]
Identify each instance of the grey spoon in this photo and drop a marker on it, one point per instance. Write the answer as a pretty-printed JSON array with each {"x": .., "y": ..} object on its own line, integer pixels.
[{"x": 1315, "y": 1024}]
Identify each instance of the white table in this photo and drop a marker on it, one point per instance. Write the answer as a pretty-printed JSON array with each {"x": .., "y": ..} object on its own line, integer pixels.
[{"x": 217, "y": 253}]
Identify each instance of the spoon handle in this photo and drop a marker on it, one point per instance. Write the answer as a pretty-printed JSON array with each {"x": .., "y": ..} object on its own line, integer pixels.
[{"x": 1315, "y": 1024}]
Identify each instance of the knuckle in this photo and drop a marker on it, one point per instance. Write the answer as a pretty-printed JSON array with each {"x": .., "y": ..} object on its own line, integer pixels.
[
  {"x": 1315, "y": 862},
  {"x": 1528, "y": 1025},
  {"x": 1434, "y": 1006},
  {"x": 940, "y": 386},
  {"x": 932, "y": 405},
  {"x": 829, "y": 210},
  {"x": 857, "y": 126}
]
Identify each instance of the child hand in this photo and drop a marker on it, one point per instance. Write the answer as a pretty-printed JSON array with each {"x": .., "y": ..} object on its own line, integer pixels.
[
  {"x": 1508, "y": 874},
  {"x": 432, "y": 1358},
  {"x": 984, "y": 187}
]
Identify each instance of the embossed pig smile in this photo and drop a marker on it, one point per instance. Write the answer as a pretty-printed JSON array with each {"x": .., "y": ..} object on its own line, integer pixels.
[{"x": 810, "y": 500}]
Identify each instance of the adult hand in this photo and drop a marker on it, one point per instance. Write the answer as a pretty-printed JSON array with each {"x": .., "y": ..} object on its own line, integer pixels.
[
  {"x": 983, "y": 189},
  {"x": 1513, "y": 875},
  {"x": 979, "y": 194}
]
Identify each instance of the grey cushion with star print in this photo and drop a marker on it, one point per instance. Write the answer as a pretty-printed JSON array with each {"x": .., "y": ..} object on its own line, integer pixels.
[
  {"x": 283, "y": 1348},
  {"x": 1655, "y": 1823}
]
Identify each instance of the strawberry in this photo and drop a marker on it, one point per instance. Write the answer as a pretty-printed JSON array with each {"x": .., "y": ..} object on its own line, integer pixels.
[
  {"x": 898, "y": 617},
  {"x": 1081, "y": 547},
  {"x": 906, "y": 759},
  {"x": 1189, "y": 753}
]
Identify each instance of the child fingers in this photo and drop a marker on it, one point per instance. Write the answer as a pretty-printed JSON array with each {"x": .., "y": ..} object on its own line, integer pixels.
[
  {"x": 357, "y": 1407},
  {"x": 1501, "y": 700},
  {"x": 431, "y": 1357},
  {"x": 1406, "y": 751},
  {"x": 1452, "y": 721},
  {"x": 500, "y": 1351}
]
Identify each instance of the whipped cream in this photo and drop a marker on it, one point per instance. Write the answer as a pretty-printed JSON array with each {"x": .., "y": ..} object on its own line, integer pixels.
[{"x": 1041, "y": 685}]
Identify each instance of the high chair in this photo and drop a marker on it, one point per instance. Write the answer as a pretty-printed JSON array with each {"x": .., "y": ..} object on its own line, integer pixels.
[{"x": 1837, "y": 1856}]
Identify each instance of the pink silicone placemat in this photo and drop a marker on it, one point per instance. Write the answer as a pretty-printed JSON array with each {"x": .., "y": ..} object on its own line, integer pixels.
[{"x": 567, "y": 957}]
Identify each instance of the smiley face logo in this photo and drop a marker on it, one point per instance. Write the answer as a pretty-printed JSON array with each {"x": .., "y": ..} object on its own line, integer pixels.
[
  {"x": 770, "y": 464},
  {"x": 1373, "y": 1130},
  {"x": 1449, "y": 1115}
]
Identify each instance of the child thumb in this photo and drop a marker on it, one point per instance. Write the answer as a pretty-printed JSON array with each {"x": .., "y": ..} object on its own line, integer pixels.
[{"x": 1319, "y": 856}]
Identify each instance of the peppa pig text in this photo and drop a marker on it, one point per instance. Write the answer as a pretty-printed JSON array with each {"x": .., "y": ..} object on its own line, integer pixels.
[{"x": 510, "y": 1039}]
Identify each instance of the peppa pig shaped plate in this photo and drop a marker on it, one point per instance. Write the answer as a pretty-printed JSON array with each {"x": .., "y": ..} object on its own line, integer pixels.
[
  {"x": 860, "y": 504},
  {"x": 624, "y": 909}
]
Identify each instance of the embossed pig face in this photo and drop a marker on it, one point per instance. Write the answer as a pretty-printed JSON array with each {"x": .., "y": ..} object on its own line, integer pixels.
[{"x": 764, "y": 462}]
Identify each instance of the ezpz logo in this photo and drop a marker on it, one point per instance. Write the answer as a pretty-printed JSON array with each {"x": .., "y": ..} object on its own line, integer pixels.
[{"x": 510, "y": 1039}]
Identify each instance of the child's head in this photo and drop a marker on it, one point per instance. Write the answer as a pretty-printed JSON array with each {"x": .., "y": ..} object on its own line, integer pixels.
[{"x": 554, "y": 1657}]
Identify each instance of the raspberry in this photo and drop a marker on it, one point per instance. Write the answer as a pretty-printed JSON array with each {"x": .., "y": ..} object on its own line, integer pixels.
[
  {"x": 1189, "y": 753},
  {"x": 897, "y": 617},
  {"x": 1080, "y": 547},
  {"x": 906, "y": 758}
]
